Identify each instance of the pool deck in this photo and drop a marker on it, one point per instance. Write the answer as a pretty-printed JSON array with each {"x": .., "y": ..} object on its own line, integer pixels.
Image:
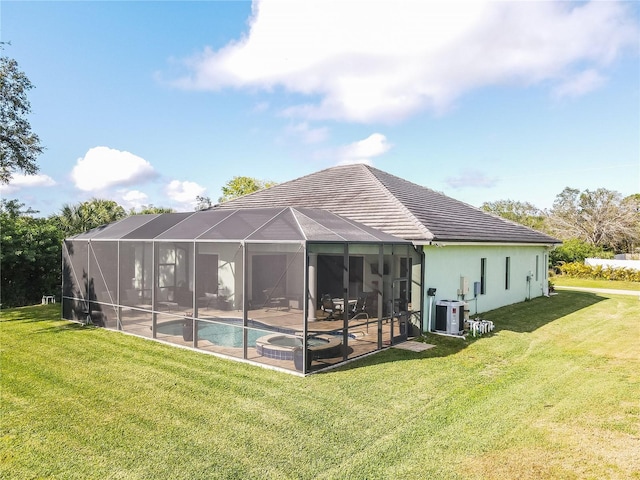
[{"x": 362, "y": 332}]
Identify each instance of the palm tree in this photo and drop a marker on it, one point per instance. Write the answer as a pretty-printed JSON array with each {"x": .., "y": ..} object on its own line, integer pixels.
[{"x": 74, "y": 219}]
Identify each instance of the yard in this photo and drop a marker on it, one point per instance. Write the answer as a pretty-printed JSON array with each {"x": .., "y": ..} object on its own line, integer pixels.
[
  {"x": 552, "y": 393},
  {"x": 564, "y": 281}
]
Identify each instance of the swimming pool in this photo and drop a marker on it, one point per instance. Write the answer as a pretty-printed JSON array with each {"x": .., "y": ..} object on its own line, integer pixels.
[{"x": 222, "y": 334}]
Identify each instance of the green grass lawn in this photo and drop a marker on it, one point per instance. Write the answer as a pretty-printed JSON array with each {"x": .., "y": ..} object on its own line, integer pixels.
[
  {"x": 563, "y": 281},
  {"x": 552, "y": 393}
]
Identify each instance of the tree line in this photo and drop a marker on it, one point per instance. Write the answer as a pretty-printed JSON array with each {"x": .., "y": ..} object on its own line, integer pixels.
[
  {"x": 31, "y": 246},
  {"x": 593, "y": 223}
]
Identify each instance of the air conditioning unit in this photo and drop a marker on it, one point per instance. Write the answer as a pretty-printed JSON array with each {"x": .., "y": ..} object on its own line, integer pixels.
[{"x": 450, "y": 316}]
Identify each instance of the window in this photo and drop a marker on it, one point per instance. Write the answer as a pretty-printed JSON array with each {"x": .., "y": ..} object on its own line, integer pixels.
[
  {"x": 483, "y": 276},
  {"x": 507, "y": 273},
  {"x": 404, "y": 283},
  {"x": 537, "y": 266},
  {"x": 173, "y": 274},
  {"x": 207, "y": 265}
]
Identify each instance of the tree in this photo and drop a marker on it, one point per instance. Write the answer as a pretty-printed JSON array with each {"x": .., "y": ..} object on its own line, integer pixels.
[
  {"x": 203, "y": 202},
  {"x": 19, "y": 146},
  {"x": 74, "y": 219},
  {"x": 150, "y": 209},
  {"x": 30, "y": 252},
  {"x": 239, "y": 186},
  {"x": 523, "y": 213},
  {"x": 598, "y": 217},
  {"x": 632, "y": 202},
  {"x": 576, "y": 250}
]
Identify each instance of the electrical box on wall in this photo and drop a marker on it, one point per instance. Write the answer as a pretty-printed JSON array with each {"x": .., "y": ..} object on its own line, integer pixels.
[
  {"x": 464, "y": 286},
  {"x": 476, "y": 289}
]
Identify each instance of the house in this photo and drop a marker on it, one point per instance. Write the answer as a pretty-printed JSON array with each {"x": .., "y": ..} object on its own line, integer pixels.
[
  {"x": 303, "y": 276},
  {"x": 460, "y": 246}
]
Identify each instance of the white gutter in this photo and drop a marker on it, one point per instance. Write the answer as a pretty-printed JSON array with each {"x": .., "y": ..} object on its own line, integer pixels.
[{"x": 435, "y": 243}]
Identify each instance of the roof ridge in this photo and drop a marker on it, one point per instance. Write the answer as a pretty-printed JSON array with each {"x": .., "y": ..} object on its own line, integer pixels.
[{"x": 428, "y": 233}]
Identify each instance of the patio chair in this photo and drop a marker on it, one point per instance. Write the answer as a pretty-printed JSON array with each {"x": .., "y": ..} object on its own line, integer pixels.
[
  {"x": 271, "y": 301},
  {"x": 330, "y": 308},
  {"x": 208, "y": 300},
  {"x": 162, "y": 300},
  {"x": 359, "y": 308}
]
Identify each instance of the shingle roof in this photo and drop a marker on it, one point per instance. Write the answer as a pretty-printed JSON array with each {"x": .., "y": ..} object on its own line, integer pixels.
[{"x": 391, "y": 204}]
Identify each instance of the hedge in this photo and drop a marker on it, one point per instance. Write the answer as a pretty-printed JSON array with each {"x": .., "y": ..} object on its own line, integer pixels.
[{"x": 598, "y": 272}]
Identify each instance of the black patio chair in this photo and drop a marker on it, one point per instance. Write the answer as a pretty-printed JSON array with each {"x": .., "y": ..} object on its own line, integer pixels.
[
  {"x": 360, "y": 308},
  {"x": 330, "y": 308}
]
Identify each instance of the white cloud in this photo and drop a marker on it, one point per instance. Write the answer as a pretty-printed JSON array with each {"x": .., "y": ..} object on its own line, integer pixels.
[
  {"x": 184, "y": 193},
  {"x": 307, "y": 134},
  {"x": 103, "y": 167},
  {"x": 363, "y": 151},
  {"x": 473, "y": 179},
  {"x": 19, "y": 181},
  {"x": 133, "y": 198},
  {"x": 384, "y": 61},
  {"x": 580, "y": 84}
]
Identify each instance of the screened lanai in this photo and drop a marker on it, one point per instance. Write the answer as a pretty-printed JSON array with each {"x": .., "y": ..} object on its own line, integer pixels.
[{"x": 298, "y": 289}]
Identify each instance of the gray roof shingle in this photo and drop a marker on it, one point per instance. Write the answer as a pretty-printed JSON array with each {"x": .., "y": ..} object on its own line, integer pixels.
[{"x": 392, "y": 205}]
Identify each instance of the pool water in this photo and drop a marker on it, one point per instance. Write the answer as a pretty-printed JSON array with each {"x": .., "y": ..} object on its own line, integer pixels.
[
  {"x": 217, "y": 333},
  {"x": 297, "y": 342},
  {"x": 227, "y": 335}
]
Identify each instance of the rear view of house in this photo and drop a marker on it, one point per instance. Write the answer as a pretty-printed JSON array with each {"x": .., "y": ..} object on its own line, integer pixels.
[
  {"x": 305, "y": 275},
  {"x": 465, "y": 253}
]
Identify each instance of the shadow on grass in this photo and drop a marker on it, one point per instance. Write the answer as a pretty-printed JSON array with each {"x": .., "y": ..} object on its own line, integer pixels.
[
  {"x": 529, "y": 316},
  {"x": 66, "y": 327},
  {"x": 43, "y": 313},
  {"x": 33, "y": 313},
  {"x": 521, "y": 317}
]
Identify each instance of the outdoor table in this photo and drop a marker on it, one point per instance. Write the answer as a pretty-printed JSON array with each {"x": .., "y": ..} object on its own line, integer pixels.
[
  {"x": 48, "y": 299},
  {"x": 339, "y": 303}
]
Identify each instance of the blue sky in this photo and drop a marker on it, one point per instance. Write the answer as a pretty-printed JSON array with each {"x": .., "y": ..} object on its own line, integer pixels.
[{"x": 154, "y": 103}]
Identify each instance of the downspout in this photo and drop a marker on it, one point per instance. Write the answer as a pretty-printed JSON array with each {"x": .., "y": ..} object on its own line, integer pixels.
[
  {"x": 62, "y": 282},
  {"x": 154, "y": 282},
  {"x": 87, "y": 320},
  {"x": 118, "y": 286},
  {"x": 308, "y": 305},
  {"x": 345, "y": 302},
  {"x": 245, "y": 291},
  {"x": 423, "y": 273}
]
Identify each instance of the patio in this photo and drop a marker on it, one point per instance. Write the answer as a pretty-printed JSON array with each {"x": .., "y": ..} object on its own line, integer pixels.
[{"x": 245, "y": 284}]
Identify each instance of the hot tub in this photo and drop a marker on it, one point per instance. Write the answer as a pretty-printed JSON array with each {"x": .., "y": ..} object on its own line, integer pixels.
[{"x": 282, "y": 347}]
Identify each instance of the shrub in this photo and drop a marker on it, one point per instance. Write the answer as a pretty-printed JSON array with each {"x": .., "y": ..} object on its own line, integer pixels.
[
  {"x": 576, "y": 250},
  {"x": 598, "y": 272}
]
